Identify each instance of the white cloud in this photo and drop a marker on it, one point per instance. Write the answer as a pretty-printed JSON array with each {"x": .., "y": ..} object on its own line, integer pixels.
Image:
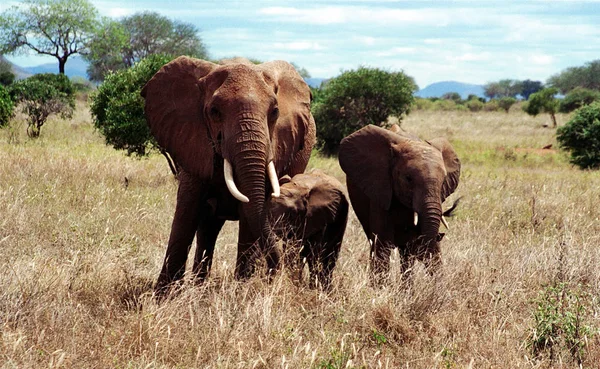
[
  {"x": 541, "y": 59},
  {"x": 470, "y": 57},
  {"x": 298, "y": 45},
  {"x": 364, "y": 40}
]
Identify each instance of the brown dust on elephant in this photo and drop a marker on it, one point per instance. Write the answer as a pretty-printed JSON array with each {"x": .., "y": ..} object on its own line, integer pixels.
[
  {"x": 233, "y": 128},
  {"x": 397, "y": 184},
  {"x": 310, "y": 217}
]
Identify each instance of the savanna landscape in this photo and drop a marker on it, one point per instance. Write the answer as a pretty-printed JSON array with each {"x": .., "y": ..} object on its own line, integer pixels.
[{"x": 84, "y": 227}]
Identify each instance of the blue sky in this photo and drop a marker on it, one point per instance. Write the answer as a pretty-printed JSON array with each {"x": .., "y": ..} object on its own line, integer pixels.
[{"x": 467, "y": 41}]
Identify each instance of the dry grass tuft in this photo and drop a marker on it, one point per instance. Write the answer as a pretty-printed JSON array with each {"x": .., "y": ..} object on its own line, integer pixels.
[{"x": 83, "y": 230}]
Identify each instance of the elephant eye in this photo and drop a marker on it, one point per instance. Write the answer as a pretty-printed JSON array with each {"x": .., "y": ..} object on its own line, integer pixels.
[
  {"x": 275, "y": 113},
  {"x": 408, "y": 178},
  {"x": 215, "y": 113}
]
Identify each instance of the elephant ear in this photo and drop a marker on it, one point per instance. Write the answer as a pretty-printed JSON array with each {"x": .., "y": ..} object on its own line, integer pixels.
[
  {"x": 323, "y": 203},
  {"x": 365, "y": 158},
  {"x": 294, "y": 134},
  {"x": 452, "y": 164},
  {"x": 174, "y": 112}
]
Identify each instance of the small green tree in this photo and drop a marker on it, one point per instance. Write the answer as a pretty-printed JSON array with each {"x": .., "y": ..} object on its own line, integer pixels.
[
  {"x": 58, "y": 28},
  {"x": 6, "y": 106},
  {"x": 577, "y": 98},
  {"x": 43, "y": 95},
  {"x": 505, "y": 103},
  {"x": 357, "y": 98},
  {"x": 543, "y": 101},
  {"x": 118, "y": 109},
  {"x": 474, "y": 105},
  {"x": 581, "y": 136}
]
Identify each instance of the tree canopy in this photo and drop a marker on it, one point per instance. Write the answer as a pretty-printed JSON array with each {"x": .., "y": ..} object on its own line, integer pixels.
[
  {"x": 120, "y": 44},
  {"x": 357, "y": 98},
  {"x": 58, "y": 28},
  {"x": 587, "y": 76},
  {"x": 6, "y": 75},
  {"x": 543, "y": 101},
  {"x": 118, "y": 108}
]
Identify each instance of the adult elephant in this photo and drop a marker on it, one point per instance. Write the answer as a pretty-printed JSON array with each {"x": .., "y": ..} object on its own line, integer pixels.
[
  {"x": 233, "y": 128},
  {"x": 397, "y": 184}
]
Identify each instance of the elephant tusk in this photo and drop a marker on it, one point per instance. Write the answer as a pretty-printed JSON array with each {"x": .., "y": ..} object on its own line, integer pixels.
[
  {"x": 416, "y": 218},
  {"x": 274, "y": 179},
  {"x": 228, "y": 171},
  {"x": 445, "y": 223}
]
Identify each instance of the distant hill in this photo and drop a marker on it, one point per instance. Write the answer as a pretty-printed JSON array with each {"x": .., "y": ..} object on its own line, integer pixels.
[
  {"x": 75, "y": 67},
  {"x": 438, "y": 89},
  {"x": 19, "y": 72},
  {"x": 314, "y": 82}
]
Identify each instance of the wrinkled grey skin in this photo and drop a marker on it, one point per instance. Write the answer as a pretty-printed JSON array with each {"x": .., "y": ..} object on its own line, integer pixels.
[
  {"x": 390, "y": 176},
  {"x": 310, "y": 217}
]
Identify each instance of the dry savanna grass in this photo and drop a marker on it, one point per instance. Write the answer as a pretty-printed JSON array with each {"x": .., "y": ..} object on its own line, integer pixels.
[{"x": 83, "y": 230}]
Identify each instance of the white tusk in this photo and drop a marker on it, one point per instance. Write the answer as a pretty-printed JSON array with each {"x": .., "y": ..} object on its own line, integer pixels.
[
  {"x": 273, "y": 178},
  {"x": 228, "y": 171},
  {"x": 445, "y": 223},
  {"x": 416, "y": 218}
]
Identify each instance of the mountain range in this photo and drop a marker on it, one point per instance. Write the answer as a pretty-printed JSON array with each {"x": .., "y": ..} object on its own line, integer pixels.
[{"x": 76, "y": 67}]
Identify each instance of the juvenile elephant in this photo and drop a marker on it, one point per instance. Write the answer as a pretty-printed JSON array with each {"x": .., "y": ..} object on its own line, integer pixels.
[
  {"x": 233, "y": 128},
  {"x": 310, "y": 216},
  {"x": 397, "y": 184}
]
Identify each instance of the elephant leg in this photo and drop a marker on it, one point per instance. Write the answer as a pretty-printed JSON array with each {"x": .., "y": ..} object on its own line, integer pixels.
[
  {"x": 206, "y": 237},
  {"x": 185, "y": 222},
  {"x": 432, "y": 259},
  {"x": 331, "y": 245},
  {"x": 406, "y": 264},
  {"x": 247, "y": 251},
  {"x": 380, "y": 259}
]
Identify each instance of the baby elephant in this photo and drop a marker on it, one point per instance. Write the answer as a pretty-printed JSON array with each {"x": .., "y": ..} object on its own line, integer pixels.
[{"x": 310, "y": 216}]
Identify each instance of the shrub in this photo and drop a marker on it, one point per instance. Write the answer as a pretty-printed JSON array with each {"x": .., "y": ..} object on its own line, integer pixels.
[
  {"x": 43, "y": 95},
  {"x": 506, "y": 102},
  {"x": 357, "y": 98},
  {"x": 474, "y": 105},
  {"x": 576, "y": 98},
  {"x": 423, "y": 104},
  {"x": 6, "y": 106},
  {"x": 491, "y": 105},
  {"x": 118, "y": 108},
  {"x": 581, "y": 136},
  {"x": 447, "y": 105}
]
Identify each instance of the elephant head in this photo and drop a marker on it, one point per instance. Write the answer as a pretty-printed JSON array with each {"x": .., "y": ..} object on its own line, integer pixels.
[
  {"x": 218, "y": 123},
  {"x": 392, "y": 168}
]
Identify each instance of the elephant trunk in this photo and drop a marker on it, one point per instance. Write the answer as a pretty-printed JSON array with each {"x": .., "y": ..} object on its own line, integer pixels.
[
  {"x": 250, "y": 166},
  {"x": 430, "y": 219}
]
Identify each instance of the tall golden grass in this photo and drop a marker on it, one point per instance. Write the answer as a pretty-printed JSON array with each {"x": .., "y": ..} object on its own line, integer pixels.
[{"x": 83, "y": 230}]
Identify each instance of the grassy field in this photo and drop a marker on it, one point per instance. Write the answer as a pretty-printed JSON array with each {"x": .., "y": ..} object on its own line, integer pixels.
[{"x": 83, "y": 230}]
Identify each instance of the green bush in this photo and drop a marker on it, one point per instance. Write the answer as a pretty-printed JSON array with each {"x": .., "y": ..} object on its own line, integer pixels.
[
  {"x": 543, "y": 101},
  {"x": 43, "y": 95},
  {"x": 491, "y": 105},
  {"x": 474, "y": 105},
  {"x": 447, "y": 105},
  {"x": 576, "y": 98},
  {"x": 118, "y": 108},
  {"x": 358, "y": 98},
  {"x": 581, "y": 137},
  {"x": 7, "y": 106},
  {"x": 506, "y": 102},
  {"x": 423, "y": 104}
]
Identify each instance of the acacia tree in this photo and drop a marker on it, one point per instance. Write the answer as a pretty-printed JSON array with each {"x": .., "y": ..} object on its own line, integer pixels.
[
  {"x": 120, "y": 44},
  {"x": 543, "y": 101},
  {"x": 58, "y": 28},
  {"x": 587, "y": 76}
]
